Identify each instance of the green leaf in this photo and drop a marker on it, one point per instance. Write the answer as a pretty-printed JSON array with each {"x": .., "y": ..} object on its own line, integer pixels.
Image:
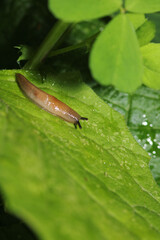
[
  {"x": 115, "y": 57},
  {"x": 151, "y": 62},
  {"x": 146, "y": 33},
  {"x": 136, "y": 19},
  {"x": 67, "y": 183},
  {"x": 84, "y": 30},
  {"x": 155, "y": 17},
  {"x": 75, "y": 10},
  {"x": 142, "y": 6},
  {"x": 142, "y": 115},
  {"x": 26, "y": 53}
]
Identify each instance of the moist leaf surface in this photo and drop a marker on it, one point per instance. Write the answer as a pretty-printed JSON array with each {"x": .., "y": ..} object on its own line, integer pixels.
[{"x": 67, "y": 183}]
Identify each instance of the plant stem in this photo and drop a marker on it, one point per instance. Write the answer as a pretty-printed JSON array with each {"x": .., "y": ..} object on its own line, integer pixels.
[
  {"x": 68, "y": 30},
  {"x": 87, "y": 43},
  {"x": 129, "y": 109},
  {"x": 49, "y": 42}
]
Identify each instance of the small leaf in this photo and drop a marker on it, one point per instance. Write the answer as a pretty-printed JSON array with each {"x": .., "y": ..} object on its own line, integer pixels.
[
  {"x": 155, "y": 17},
  {"x": 115, "y": 57},
  {"x": 75, "y": 10},
  {"x": 136, "y": 19},
  {"x": 146, "y": 33},
  {"x": 142, "y": 6},
  {"x": 151, "y": 62},
  {"x": 26, "y": 53}
]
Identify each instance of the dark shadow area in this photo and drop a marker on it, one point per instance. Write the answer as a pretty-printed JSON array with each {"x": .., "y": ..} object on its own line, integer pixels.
[
  {"x": 24, "y": 22},
  {"x": 12, "y": 228}
]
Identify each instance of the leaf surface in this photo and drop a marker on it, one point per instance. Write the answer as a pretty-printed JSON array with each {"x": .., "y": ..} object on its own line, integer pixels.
[
  {"x": 155, "y": 17},
  {"x": 142, "y": 115},
  {"x": 75, "y": 10},
  {"x": 67, "y": 183},
  {"x": 146, "y": 33},
  {"x": 136, "y": 19},
  {"x": 115, "y": 58},
  {"x": 143, "y": 6},
  {"x": 151, "y": 61}
]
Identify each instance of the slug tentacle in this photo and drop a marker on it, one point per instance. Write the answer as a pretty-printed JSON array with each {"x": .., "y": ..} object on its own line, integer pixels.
[
  {"x": 48, "y": 102},
  {"x": 84, "y": 118}
]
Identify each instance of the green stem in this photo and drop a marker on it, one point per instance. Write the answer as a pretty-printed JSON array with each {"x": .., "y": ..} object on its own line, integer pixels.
[
  {"x": 66, "y": 33},
  {"x": 129, "y": 109},
  {"x": 87, "y": 43},
  {"x": 123, "y": 4},
  {"x": 49, "y": 42}
]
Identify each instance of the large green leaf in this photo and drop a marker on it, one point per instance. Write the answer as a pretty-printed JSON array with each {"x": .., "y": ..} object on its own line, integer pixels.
[
  {"x": 151, "y": 61},
  {"x": 67, "y": 183},
  {"x": 143, "y": 6},
  {"x": 115, "y": 57},
  {"x": 75, "y": 10}
]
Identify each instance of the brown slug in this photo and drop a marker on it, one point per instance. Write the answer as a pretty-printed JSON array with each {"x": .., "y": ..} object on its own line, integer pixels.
[{"x": 48, "y": 102}]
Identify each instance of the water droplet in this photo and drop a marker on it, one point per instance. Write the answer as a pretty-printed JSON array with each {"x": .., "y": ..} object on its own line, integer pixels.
[
  {"x": 119, "y": 177},
  {"x": 150, "y": 141},
  {"x": 144, "y": 123},
  {"x": 142, "y": 165}
]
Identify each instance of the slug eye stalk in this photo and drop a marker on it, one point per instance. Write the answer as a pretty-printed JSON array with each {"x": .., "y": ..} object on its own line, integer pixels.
[{"x": 48, "y": 102}]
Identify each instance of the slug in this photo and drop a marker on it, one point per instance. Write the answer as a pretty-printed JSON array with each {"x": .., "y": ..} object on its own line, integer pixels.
[{"x": 48, "y": 102}]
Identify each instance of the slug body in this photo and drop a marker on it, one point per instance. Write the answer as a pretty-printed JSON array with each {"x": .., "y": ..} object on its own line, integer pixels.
[{"x": 48, "y": 102}]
